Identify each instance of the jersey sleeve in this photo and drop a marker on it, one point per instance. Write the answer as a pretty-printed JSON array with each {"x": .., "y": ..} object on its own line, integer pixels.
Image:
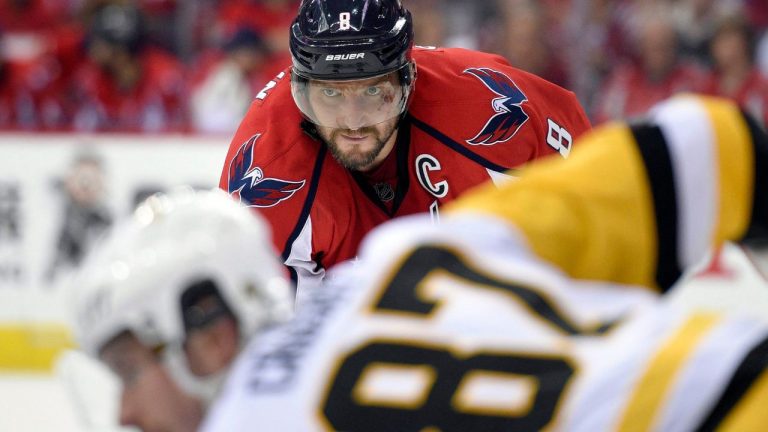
[
  {"x": 556, "y": 113},
  {"x": 556, "y": 116},
  {"x": 493, "y": 110},
  {"x": 639, "y": 204}
]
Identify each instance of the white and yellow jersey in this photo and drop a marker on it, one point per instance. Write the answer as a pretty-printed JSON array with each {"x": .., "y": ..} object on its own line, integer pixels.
[{"x": 535, "y": 306}]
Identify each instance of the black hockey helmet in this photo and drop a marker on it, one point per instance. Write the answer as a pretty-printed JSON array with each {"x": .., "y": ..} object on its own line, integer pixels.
[
  {"x": 364, "y": 47},
  {"x": 350, "y": 39}
]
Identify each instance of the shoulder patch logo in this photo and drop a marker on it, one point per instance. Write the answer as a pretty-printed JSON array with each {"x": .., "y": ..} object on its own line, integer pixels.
[
  {"x": 247, "y": 184},
  {"x": 510, "y": 116}
]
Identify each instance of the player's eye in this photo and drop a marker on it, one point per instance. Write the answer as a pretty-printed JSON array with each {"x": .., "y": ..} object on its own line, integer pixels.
[
  {"x": 331, "y": 92},
  {"x": 373, "y": 91}
]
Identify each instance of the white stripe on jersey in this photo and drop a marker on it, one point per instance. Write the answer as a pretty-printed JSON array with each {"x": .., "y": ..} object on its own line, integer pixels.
[
  {"x": 687, "y": 129},
  {"x": 611, "y": 369},
  {"x": 308, "y": 277},
  {"x": 499, "y": 178},
  {"x": 692, "y": 392}
]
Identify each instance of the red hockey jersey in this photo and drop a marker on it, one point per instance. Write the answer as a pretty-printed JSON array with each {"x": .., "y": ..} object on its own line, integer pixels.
[{"x": 472, "y": 118}]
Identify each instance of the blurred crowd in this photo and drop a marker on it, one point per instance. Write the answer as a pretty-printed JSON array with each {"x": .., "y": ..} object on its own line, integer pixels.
[{"x": 195, "y": 65}]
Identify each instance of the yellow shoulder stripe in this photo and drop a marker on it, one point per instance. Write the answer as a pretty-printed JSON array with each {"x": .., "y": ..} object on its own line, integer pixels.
[
  {"x": 591, "y": 215},
  {"x": 594, "y": 216}
]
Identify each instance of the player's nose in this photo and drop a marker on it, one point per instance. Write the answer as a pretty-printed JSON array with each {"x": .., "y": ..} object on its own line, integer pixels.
[
  {"x": 354, "y": 119},
  {"x": 353, "y": 114}
]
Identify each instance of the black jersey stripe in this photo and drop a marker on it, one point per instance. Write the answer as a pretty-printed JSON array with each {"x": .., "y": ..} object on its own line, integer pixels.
[
  {"x": 399, "y": 294},
  {"x": 658, "y": 166},
  {"x": 305, "y": 210},
  {"x": 758, "y": 228},
  {"x": 751, "y": 368},
  {"x": 436, "y": 134}
]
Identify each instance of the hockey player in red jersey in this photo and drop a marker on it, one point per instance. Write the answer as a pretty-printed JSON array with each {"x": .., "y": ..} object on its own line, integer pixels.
[{"x": 349, "y": 138}]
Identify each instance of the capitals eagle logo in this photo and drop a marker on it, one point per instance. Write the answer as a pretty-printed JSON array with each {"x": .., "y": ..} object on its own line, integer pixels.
[
  {"x": 247, "y": 183},
  {"x": 509, "y": 117}
]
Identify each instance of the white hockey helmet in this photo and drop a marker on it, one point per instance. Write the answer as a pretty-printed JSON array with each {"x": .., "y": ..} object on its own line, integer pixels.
[{"x": 135, "y": 279}]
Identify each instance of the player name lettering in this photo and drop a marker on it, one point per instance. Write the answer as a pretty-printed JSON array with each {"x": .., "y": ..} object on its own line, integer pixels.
[{"x": 338, "y": 57}]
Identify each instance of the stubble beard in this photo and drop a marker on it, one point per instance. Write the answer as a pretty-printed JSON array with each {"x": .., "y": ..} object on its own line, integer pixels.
[{"x": 358, "y": 161}]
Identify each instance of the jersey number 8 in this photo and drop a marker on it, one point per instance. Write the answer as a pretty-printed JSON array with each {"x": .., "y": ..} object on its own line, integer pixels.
[{"x": 448, "y": 372}]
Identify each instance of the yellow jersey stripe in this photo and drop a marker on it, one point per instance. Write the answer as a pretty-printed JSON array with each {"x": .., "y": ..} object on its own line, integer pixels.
[
  {"x": 741, "y": 406},
  {"x": 642, "y": 410},
  {"x": 749, "y": 414},
  {"x": 735, "y": 170},
  {"x": 612, "y": 210},
  {"x": 591, "y": 215}
]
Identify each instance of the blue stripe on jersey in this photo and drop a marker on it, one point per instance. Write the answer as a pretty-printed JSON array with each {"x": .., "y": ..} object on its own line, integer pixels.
[{"x": 436, "y": 134}]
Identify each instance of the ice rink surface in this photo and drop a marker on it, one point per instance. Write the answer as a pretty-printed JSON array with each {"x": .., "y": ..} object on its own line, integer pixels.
[{"x": 79, "y": 396}]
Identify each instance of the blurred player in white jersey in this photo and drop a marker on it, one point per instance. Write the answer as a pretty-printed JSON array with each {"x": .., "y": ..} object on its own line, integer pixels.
[
  {"x": 534, "y": 306},
  {"x": 169, "y": 298}
]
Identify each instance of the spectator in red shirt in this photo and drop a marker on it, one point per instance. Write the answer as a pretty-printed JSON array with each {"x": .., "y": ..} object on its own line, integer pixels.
[
  {"x": 34, "y": 15},
  {"x": 696, "y": 20},
  {"x": 429, "y": 26},
  {"x": 226, "y": 83},
  {"x": 31, "y": 98},
  {"x": 39, "y": 47},
  {"x": 594, "y": 42},
  {"x": 658, "y": 73},
  {"x": 7, "y": 111},
  {"x": 127, "y": 85},
  {"x": 270, "y": 18},
  {"x": 34, "y": 76},
  {"x": 734, "y": 74},
  {"x": 526, "y": 40},
  {"x": 757, "y": 11}
]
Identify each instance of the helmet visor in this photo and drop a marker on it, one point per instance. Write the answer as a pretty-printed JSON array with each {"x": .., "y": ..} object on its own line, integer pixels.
[{"x": 351, "y": 104}]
